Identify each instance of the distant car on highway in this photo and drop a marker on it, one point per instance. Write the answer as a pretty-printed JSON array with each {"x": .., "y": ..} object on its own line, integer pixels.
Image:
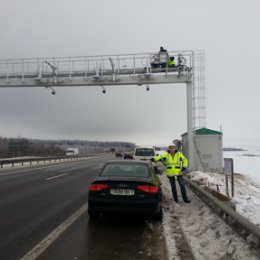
[
  {"x": 119, "y": 154},
  {"x": 128, "y": 156},
  {"x": 126, "y": 186}
]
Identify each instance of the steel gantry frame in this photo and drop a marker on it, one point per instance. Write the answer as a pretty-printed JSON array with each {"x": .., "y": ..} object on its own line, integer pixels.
[{"x": 107, "y": 70}]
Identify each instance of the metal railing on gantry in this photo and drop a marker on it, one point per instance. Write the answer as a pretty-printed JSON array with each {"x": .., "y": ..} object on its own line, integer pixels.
[{"x": 125, "y": 69}]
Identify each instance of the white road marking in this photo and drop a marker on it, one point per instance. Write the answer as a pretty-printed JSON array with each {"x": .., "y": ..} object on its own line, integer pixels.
[
  {"x": 47, "y": 241},
  {"x": 2, "y": 174},
  {"x": 57, "y": 176},
  {"x": 28, "y": 170}
]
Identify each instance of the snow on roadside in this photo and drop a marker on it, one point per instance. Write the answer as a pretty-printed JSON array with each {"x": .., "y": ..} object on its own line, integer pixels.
[
  {"x": 246, "y": 192},
  {"x": 208, "y": 236},
  {"x": 246, "y": 162}
]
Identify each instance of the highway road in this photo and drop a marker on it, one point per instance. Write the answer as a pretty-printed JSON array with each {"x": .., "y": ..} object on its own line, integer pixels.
[{"x": 43, "y": 216}]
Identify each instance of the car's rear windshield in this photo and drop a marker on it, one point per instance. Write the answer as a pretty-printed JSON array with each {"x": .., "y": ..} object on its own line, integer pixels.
[
  {"x": 125, "y": 170},
  {"x": 144, "y": 152}
]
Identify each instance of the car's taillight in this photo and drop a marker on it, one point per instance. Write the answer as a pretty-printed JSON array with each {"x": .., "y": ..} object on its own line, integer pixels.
[
  {"x": 97, "y": 186},
  {"x": 149, "y": 189}
]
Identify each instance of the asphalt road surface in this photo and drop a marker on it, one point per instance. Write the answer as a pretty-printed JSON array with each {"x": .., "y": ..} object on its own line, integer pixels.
[{"x": 43, "y": 216}]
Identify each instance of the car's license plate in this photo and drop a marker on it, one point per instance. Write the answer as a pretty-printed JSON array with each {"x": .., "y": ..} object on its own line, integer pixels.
[{"x": 124, "y": 192}]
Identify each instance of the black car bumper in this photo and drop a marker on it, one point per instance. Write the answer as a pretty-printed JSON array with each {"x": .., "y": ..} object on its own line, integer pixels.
[{"x": 117, "y": 206}]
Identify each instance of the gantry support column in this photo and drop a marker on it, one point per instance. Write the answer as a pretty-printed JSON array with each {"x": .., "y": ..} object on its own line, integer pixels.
[{"x": 189, "y": 126}]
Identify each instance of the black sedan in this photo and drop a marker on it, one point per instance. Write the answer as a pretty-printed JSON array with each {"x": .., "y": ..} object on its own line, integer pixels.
[{"x": 126, "y": 186}]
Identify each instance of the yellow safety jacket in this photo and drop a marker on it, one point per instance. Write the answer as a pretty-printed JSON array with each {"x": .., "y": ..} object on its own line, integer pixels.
[
  {"x": 171, "y": 62},
  {"x": 173, "y": 163}
]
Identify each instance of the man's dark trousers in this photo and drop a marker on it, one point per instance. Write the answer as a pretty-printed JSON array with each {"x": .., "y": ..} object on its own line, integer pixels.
[{"x": 182, "y": 187}]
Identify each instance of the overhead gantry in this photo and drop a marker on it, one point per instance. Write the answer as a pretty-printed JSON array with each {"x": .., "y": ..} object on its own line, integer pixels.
[
  {"x": 107, "y": 70},
  {"x": 129, "y": 69}
]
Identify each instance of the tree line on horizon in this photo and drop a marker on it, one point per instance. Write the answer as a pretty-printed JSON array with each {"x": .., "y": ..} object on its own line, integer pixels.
[{"x": 14, "y": 147}]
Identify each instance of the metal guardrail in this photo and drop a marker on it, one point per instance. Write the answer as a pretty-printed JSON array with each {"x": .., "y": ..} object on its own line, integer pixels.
[
  {"x": 241, "y": 225},
  {"x": 21, "y": 161}
]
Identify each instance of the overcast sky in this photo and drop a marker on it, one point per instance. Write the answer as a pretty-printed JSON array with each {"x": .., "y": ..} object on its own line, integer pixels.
[{"x": 227, "y": 30}]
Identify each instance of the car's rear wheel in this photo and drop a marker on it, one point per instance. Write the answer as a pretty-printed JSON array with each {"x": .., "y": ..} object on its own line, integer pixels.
[{"x": 92, "y": 214}]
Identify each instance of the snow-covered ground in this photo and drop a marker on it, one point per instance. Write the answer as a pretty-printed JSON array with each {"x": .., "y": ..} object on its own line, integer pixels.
[
  {"x": 246, "y": 162},
  {"x": 205, "y": 233}
]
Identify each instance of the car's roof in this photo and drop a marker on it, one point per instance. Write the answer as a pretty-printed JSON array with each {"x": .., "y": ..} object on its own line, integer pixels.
[
  {"x": 144, "y": 147},
  {"x": 129, "y": 162}
]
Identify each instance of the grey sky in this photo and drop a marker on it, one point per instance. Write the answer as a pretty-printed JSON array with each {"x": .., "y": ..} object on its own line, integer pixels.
[{"x": 228, "y": 31}]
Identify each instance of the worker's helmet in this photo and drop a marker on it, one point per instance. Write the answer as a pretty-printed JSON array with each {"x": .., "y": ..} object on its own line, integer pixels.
[{"x": 172, "y": 144}]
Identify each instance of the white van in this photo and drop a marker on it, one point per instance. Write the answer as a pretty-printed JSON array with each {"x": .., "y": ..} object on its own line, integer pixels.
[
  {"x": 72, "y": 151},
  {"x": 143, "y": 153}
]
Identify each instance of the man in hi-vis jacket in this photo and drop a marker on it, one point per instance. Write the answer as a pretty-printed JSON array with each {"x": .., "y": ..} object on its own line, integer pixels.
[{"x": 175, "y": 163}]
